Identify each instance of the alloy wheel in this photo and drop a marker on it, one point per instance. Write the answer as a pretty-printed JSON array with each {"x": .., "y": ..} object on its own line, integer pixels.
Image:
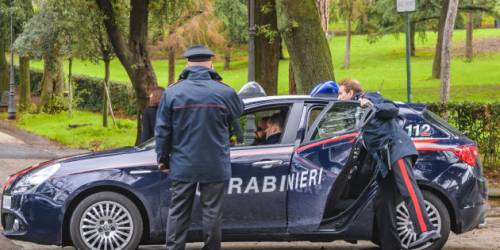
[
  {"x": 106, "y": 225},
  {"x": 405, "y": 227}
]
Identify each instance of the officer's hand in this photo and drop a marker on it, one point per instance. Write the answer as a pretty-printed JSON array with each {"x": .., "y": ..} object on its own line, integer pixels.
[
  {"x": 163, "y": 167},
  {"x": 365, "y": 102}
]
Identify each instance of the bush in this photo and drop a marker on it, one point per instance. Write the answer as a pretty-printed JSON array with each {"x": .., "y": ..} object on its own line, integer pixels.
[
  {"x": 88, "y": 93},
  {"x": 480, "y": 122}
]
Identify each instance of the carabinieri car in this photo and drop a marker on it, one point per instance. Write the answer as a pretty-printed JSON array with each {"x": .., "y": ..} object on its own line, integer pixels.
[{"x": 315, "y": 184}]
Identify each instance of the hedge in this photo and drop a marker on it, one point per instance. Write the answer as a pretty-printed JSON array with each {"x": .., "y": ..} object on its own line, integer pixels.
[{"x": 479, "y": 121}]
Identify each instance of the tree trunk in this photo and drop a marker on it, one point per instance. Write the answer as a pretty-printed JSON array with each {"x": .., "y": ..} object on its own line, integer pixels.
[
  {"x": 227, "y": 57},
  {"x": 70, "y": 85},
  {"x": 347, "y": 56},
  {"x": 310, "y": 54},
  {"x": 24, "y": 83},
  {"x": 292, "y": 87},
  {"x": 132, "y": 54},
  {"x": 324, "y": 14},
  {"x": 171, "y": 65},
  {"x": 446, "y": 53},
  {"x": 267, "y": 49},
  {"x": 436, "y": 67},
  {"x": 469, "y": 53},
  {"x": 52, "y": 81},
  {"x": 105, "y": 95},
  {"x": 412, "y": 38},
  {"x": 4, "y": 68},
  {"x": 281, "y": 51}
]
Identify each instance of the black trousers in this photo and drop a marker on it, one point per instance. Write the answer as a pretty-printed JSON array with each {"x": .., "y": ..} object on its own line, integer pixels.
[
  {"x": 181, "y": 206},
  {"x": 399, "y": 184}
]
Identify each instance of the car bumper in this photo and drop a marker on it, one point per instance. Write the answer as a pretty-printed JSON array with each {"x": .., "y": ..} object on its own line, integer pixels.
[
  {"x": 32, "y": 218},
  {"x": 473, "y": 204}
]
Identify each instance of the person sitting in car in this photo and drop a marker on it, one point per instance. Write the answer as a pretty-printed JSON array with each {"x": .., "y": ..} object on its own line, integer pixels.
[
  {"x": 260, "y": 133},
  {"x": 274, "y": 129}
]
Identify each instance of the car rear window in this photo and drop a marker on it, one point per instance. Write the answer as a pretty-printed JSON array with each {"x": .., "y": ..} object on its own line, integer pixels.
[{"x": 438, "y": 121}]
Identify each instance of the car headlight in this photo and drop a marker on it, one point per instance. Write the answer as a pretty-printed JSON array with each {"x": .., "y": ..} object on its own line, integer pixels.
[{"x": 34, "y": 178}]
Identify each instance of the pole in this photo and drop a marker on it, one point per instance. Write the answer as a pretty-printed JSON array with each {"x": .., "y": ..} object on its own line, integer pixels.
[
  {"x": 408, "y": 52},
  {"x": 251, "y": 40},
  {"x": 12, "y": 90}
]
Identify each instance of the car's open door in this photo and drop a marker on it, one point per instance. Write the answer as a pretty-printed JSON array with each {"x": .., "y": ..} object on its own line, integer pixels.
[{"x": 319, "y": 161}]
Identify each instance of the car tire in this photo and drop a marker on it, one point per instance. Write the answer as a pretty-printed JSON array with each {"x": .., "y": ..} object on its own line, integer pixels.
[
  {"x": 444, "y": 218},
  {"x": 106, "y": 218}
]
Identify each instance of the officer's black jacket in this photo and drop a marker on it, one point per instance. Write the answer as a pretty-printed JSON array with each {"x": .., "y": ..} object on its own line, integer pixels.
[
  {"x": 383, "y": 130},
  {"x": 192, "y": 126}
]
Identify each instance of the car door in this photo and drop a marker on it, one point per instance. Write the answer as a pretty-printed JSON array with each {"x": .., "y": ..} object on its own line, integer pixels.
[
  {"x": 255, "y": 200},
  {"x": 318, "y": 161}
]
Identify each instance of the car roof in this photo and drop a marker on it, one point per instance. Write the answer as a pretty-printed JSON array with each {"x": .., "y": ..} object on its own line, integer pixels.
[
  {"x": 406, "y": 108},
  {"x": 286, "y": 98}
]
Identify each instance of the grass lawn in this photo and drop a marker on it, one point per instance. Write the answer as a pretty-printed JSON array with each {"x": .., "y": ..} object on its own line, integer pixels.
[
  {"x": 89, "y": 135},
  {"x": 372, "y": 64}
]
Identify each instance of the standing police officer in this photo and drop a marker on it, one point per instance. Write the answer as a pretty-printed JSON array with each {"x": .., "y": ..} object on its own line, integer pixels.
[
  {"x": 192, "y": 142},
  {"x": 394, "y": 154}
]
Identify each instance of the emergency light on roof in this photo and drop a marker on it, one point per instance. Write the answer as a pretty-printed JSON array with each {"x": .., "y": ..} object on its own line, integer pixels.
[
  {"x": 251, "y": 90},
  {"x": 325, "y": 89}
]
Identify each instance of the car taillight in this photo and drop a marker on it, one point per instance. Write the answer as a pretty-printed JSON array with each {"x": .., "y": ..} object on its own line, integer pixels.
[
  {"x": 13, "y": 177},
  {"x": 467, "y": 154}
]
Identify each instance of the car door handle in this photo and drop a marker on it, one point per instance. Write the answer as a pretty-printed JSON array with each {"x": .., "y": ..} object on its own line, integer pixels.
[{"x": 267, "y": 164}]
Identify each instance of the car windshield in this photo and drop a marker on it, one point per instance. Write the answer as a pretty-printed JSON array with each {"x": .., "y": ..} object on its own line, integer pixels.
[{"x": 149, "y": 144}]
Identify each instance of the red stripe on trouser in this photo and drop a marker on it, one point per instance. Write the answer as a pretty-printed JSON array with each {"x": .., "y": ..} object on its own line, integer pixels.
[{"x": 413, "y": 196}]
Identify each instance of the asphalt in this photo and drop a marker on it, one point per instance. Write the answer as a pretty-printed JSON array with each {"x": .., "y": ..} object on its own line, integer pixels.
[{"x": 19, "y": 150}]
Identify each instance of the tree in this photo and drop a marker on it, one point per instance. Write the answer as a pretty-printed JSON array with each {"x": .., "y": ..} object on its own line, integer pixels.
[
  {"x": 45, "y": 36},
  {"x": 382, "y": 19},
  {"x": 350, "y": 10},
  {"x": 4, "y": 45},
  {"x": 449, "y": 25},
  {"x": 233, "y": 14},
  {"x": 487, "y": 6},
  {"x": 92, "y": 43},
  {"x": 267, "y": 46},
  {"x": 323, "y": 7},
  {"x": 133, "y": 53},
  {"x": 24, "y": 13},
  {"x": 301, "y": 27}
]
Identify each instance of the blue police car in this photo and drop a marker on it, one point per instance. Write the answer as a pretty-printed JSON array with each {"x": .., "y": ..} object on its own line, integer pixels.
[{"x": 315, "y": 183}]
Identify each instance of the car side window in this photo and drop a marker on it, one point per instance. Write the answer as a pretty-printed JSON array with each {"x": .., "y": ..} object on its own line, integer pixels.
[
  {"x": 342, "y": 118},
  {"x": 313, "y": 115},
  {"x": 263, "y": 126}
]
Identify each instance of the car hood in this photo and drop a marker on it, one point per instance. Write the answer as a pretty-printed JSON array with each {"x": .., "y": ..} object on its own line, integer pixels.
[{"x": 126, "y": 157}]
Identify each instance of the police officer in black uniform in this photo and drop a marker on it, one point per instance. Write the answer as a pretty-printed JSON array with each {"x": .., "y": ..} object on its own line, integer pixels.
[
  {"x": 394, "y": 154},
  {"x": 192, "y": 143}
]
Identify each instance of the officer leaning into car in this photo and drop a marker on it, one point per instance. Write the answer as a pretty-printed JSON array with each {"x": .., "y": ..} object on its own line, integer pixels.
[
  {"x": 394, "y": 154},
  {"x": 192, "y": 143}
]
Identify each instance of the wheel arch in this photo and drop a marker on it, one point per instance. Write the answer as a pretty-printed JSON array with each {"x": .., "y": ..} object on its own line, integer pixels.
[
  {"x": 66, "y": 238},
  {"x": 447, "y": 202}
]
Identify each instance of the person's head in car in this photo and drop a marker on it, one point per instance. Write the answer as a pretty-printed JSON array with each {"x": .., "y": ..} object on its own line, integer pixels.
[
  {"x": 350, "y": 89},
  {"x": 274, "y": 128},
  {"x": 260, "y": 133}
]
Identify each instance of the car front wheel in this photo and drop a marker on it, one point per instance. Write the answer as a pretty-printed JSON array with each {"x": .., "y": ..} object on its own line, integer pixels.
[{"x": 106, "y": 220}]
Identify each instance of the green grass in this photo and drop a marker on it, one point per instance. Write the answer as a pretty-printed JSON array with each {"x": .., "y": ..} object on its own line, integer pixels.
[
  {"x": 382, "y": 61},
  {"x": 89, "y": 135}
]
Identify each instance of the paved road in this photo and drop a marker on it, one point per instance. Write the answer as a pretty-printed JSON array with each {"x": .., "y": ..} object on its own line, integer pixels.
[{"x": 16, "y": 155}]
